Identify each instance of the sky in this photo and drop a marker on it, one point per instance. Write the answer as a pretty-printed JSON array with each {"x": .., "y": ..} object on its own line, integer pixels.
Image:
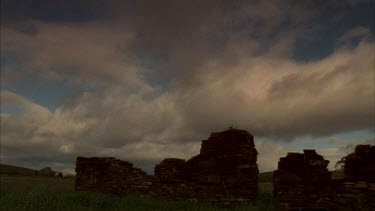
[{"x": 147, "y": 80}]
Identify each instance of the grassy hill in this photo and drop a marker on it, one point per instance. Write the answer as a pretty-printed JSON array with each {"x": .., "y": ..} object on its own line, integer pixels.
[
  {"x": 338, "y": 174},
  {"x": 265, "y": 176},
  {"x": 15, "y": 170}
]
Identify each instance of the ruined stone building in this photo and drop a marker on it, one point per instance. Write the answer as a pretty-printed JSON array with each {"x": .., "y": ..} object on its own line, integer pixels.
[
  {"x": 360, "y": 165},
  {"x": 110, "y": 175},
  {"x": 357, "y": 190},
  {"x": 224, "y": 170},
  {"x": 303, "y": 181}
]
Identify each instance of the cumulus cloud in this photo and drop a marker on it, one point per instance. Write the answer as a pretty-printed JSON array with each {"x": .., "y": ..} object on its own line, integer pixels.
[
  {"x": 281, "y": 97},
  {"x": 269, "y": 155},
  {"x": 158, "y": 83},
  {"x": 270, "y": 98},
  {"x": 128, "y": 128},
  {"x": 17, "y": 127},
  {"x": 355, "y": 33},
  {"x": 89, "y": 54}
]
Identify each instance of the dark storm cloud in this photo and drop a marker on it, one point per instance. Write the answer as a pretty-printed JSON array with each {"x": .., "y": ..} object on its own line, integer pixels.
[
  {"x": 53, "y": 11},
  {"x": 178, "y": 35},
  {"x": 221, "y": 63}
]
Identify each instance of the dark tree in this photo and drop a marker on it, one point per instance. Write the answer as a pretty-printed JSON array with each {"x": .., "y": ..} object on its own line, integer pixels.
[{"x": 47, "y": 171}]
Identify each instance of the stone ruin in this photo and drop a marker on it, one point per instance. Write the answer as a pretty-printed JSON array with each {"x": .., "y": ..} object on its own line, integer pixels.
[
  {"x": 360, "y": 165},
  {"x": 226, "y": 167},
  {"x": 302, "y": 180},
  {"x": 110, "y": 175},
  {"x": 357, "y": 190},
  {"x": 225, "y": 170}
]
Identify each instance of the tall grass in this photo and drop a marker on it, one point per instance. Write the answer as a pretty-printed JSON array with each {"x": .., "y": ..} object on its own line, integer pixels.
[{"x": 33, "y": 193}]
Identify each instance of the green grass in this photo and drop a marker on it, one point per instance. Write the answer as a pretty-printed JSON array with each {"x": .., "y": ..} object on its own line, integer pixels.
[
  {"x": 265, "y": 187},
  {"x": 43, "y": 193},
  {"x": 338, "y": 174},
  {"x": 265, "y": 176}
]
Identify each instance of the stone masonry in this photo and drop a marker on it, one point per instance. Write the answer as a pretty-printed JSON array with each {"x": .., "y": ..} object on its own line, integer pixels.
[
  {"x": 360, "y": 165},
  {"x": 110, "y": 175},
  {"x": 226, "y": 167},
  {"x": 357, "y": 190},
  {"x": 302, "y": 181},
  {"x": 225, "y": 170}
]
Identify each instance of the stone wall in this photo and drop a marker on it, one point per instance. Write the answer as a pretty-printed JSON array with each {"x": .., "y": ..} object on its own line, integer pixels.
[
  {"x": 357, "y": 190},
  {"x": 170, "y": 170},
  {"x": 225, "y": 170},
  {"x": 354, "y": 195},
  {"x": 360, "y": 165},
  {"x": 110, "y": 175},
  {"x": 170, "y": 180},
  {"x": 303, "y": 181}
]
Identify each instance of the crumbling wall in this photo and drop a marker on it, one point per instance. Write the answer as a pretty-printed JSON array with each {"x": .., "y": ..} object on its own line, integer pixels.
[
  {"x": 360, "y": 165},
  {"x": 170, "y": 170},
  {"x": 170, "y": 180},
  {"x": 354, "y": 195},
  {"x": 224, "y": 170},
  {"x": 110, "y": 175},
  {"x": 302, "y": 180},
  {"x": 357, "y": 190}
]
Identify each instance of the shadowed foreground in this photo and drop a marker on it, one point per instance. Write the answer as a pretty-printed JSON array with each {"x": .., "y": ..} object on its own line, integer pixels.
[{"x": 43, "y": 193}]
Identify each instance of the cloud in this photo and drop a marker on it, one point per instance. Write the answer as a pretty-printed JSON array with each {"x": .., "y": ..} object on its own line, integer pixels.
[
  {"x": 126, "y": 127},
  {"x": 156, "y": 78},
  {"x": 20, "y": 125},
  {"x": 355, "y": 33},
  {"x": 89, "y": 54},
  {"x": 284, "y": 98},
  {"x": 269, "y": 155},
  {"x": 344, "y": 147},
  {"x": 275, "y": 99}
]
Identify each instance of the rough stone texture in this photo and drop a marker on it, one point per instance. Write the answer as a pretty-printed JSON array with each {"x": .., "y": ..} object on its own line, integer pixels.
[
  {"x": 224, "y": 171},
  {"x": 357, "y": 190},
  {"x": 226, "y": 167},
  {"x": 110, "y": 175},
  {"x": 170, "y": 170},
  {"x": 354, "y": 195},
  {"x": 302, "y": 179},
  {"x": 170, "y": 180},
  {"x": 360, "y": 165}
]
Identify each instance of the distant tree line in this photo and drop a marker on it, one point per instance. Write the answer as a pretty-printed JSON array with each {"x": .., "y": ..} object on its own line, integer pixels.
[{"x": 48, "y": 172}]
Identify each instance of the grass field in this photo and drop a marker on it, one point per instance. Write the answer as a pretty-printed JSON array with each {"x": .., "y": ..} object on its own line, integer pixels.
[{"x": 43, "y": 193}]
